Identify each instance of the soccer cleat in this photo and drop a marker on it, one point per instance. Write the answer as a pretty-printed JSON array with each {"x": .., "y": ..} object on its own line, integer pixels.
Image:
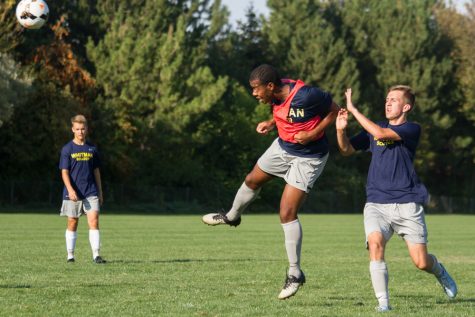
[
  {"x": 291, "y": 285},
  {"x": 383, "y": 309},
  {"x": 70, "y": 260},
  {"x": 448, "y": 284},
  {"x": 99, "y": 260},
  {"x": 220, "y": 219}
]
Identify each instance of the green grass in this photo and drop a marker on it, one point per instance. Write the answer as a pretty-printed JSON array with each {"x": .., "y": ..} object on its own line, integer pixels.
[{"x": 176, "y": 266}]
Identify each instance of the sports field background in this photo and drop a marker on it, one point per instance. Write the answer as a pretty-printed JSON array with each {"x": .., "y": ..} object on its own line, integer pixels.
[{"x": 176, "y": 266}]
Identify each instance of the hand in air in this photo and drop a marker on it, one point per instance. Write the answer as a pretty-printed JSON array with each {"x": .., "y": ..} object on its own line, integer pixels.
[
  {"x": 342, "y": 119},
  {"x": 349, "y": 103}
]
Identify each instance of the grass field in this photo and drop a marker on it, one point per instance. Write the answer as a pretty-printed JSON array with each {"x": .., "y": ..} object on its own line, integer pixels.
[{"x": 176, "y": 266}]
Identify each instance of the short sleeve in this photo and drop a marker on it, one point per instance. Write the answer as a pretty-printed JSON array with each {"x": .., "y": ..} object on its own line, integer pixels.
[
  {"x": 64, "y": 159},
  {"x": 96, "y": 163},
  {"x": 360, "y": 142},
  {"x": 318, "y": 98},
  {"x": 409, "y": 133}
]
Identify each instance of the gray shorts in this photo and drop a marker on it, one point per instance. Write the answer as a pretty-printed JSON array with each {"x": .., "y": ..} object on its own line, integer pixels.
[
  {"x": 299, "y": 172},
  {"x": 407, "y": 220},
  {"x": 75, "y": 209}
]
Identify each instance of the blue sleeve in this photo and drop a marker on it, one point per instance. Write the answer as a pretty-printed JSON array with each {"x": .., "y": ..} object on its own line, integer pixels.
[
  {"x": 360, "y": 142},
  {"x": 96, "y": 163},
  {"x": 317, "y": 99},
  {"x": 409, "y": 133},
  {"x": 64, "y": 159}
]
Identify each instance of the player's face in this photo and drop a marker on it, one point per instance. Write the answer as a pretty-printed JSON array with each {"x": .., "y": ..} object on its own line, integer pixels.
[
  {"x": 262, "y": 92},
  {"x": 79, "y": 131},
  {"x": 395, "y": 105}
]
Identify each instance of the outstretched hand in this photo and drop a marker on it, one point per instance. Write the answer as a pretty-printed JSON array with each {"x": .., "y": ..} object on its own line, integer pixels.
[
  {"x": 342, "y": 119},
  {"x": 349, "y": 103}
]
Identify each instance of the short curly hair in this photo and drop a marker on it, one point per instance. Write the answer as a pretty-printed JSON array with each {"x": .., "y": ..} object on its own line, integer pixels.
[{"x": 266, "y": 74}]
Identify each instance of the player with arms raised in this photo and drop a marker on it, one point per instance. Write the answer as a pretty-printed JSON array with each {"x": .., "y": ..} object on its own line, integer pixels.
[
  {"x": 394, "y": 192},
  {"x": 301, "y": 113}
]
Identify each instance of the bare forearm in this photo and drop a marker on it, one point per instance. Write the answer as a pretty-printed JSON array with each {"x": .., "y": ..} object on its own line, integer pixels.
[
  {"x": 344, "y": 144},
  {"x": 97, "y": 177},
  {"x": 327, "y": 121},
  {"x": 67, "y": 180},
  {"x": 374, "y": 129}
]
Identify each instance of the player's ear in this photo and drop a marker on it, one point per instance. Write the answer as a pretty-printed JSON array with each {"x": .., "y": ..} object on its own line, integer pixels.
[
  {"x": 270, "y": 86},
  {"x": 406, "y": 108}
]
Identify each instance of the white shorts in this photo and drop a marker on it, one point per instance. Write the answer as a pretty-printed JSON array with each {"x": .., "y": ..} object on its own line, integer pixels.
[
  {"x": 75, "y": 209},
  {"x": 407, "y": 220},
  {"x": 299, "y": 172}
]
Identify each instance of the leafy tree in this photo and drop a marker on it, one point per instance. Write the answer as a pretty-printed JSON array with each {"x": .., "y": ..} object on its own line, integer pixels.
[
  {"x": 460, "y": 28},
  {"x": 151, "y": 66},
  {"x": 236, "y": 52},
  {"x": 14, "y": 84}
]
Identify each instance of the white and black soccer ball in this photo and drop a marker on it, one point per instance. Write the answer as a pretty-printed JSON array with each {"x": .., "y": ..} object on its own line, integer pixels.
[{"x": 32, "y": 14}]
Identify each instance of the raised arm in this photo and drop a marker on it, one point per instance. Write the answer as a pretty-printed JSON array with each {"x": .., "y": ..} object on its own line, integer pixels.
[
  {"x": 371, "y": 127},
  {"x": 344, "y": 144}
]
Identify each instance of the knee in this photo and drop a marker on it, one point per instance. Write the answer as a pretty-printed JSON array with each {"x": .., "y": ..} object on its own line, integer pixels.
[
  {"x": 287, "y": 214},
  {"x": 94, "y": 224},
  {"x": 422, "y": 264},
  {"x": 73, "y": 224},
  {"x": 250, "y": 182},
  {"x": 376, "y": 250}
]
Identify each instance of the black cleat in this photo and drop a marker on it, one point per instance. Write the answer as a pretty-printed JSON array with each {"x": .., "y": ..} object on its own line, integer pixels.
[
  {"x": 99, "y": 260},
  {"x": 70, "y": 260}
]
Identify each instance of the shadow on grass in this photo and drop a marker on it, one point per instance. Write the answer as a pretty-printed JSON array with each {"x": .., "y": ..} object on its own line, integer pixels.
[
  {"x": 456, "y": 300},
  {"x": 190, "y": 261},
  {"x": 14, "y": 286}
]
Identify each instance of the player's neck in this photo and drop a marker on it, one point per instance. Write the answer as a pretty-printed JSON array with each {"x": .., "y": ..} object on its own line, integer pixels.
[
  {"x": 282, "y": 93},
  {"x": 398, "y": 121},
  {"x": 79, "y": 141}
]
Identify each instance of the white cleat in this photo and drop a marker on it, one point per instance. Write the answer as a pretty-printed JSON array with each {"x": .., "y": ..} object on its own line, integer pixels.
[
  {"x": 291, "y": 286},
  {"x": 215, "y": 219},
  {"x": 448, "y": 284},
  {"x": 383, "y": 309}
]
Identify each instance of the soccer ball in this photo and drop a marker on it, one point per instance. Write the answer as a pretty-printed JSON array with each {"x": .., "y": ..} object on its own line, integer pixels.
[{"x": 32, "y": 14}]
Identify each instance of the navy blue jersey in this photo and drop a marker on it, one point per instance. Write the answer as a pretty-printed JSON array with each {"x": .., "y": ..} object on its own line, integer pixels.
[
  {"x": 308, "y": 103},
  {"x": 391, "y": 175},
  {"x": 80, "y": 161}
]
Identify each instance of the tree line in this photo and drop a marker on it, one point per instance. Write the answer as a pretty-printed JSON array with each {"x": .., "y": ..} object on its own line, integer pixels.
[{"x": 165, "y": 86}]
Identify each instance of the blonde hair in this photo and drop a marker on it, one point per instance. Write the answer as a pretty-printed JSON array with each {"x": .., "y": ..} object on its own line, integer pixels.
[
  {"x": 79, "y": 119},
  {"x": 409, "y": 95}
]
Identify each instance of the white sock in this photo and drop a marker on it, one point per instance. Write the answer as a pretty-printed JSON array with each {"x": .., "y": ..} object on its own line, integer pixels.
[
  {"x": 379, "y": 279},
  {"x": 293, "y": 245},
  {"x": 71, "y": 237},
  {"x": 436, "y": 268},
  {"x": 95, "y": 241},
  {"x": 243, "y": 198}
]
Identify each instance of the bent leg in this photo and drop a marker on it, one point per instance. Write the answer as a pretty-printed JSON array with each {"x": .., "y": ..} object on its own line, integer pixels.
[
  {"x": 429, "y": 263},
  {"x": 248, "y": 191},
  {"x": 421, "y": 259}
]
